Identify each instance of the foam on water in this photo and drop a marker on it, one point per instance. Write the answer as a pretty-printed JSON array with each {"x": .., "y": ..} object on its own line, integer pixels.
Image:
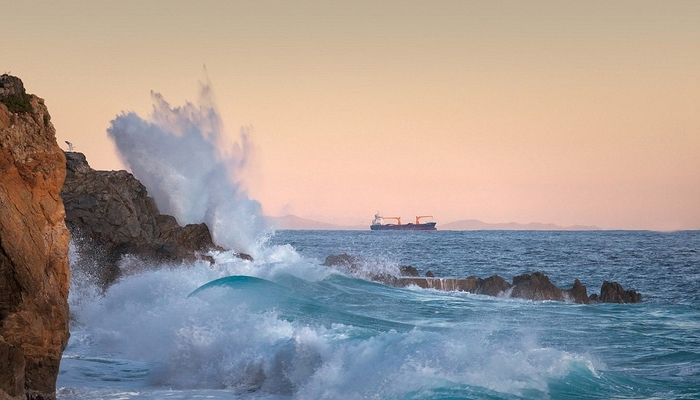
[{"x": 270, "y": 330}]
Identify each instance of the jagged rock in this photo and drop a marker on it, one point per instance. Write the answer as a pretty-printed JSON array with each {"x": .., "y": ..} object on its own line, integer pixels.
[
  {"x": 612, "y": 292},
  {"x": 577, "y": 293},
  {"x": 535, "y": 286},
  {"x": 110, "y": 216},
  {"x": 11, "y": 86},
  {"x": 14, "y": 96},
  {"x": 430, "y": 274},
  {"x": 34, "y": 272}
]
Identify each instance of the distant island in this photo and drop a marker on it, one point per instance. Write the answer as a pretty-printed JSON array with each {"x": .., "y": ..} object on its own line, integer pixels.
[
  {"x": 476, "y": 225},
  {"x": 297, "y": 223}
]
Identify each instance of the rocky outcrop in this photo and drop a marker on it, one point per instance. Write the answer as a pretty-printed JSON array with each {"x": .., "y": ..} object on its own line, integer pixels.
[
  {"x": 111, "y": 216},
  {"x": 491, "y": 286},
  {"x": 578, "y": 293},
  {"x": 34, "y": 273},
  {"x": 612, "y": 292},
  {"x": 535, "y": 286}
]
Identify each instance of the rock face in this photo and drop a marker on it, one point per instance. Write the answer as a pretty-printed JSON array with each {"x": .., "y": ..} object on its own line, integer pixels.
[
  {"x": 578, "y": 293},
  {"x": 535, "y": 286},
  {"x": 110, "y": 215},
  {"x": 612, "y": 292},
  {"x": 34, "y": 273}
]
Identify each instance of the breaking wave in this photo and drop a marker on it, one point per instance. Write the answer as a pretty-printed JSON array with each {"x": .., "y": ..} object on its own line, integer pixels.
[{"x": 193, "y": 168}]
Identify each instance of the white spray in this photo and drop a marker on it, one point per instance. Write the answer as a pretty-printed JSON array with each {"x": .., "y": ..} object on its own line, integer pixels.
[{"x": 192, "y": 168}]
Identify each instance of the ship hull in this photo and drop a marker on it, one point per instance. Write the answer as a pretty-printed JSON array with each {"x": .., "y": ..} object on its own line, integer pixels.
[{"x": 430, "y": 226}]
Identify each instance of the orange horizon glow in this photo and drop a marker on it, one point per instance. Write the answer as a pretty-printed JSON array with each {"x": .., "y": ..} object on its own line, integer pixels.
[{"x": 548, "y": 111}]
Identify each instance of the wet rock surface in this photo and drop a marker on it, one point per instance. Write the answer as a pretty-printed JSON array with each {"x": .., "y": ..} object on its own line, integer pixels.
[
  {"x": 612, "y": 292},
  {"x": 111, "y": 216}
]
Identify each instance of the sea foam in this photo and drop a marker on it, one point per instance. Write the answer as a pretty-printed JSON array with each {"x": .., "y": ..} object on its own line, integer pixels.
[{"x": 261, "y": 327}]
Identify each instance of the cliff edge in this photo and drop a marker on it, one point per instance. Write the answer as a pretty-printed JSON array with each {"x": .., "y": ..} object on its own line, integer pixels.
[
  {"x": 112, "y": 220},
  {"x": 34, "y": 272}
]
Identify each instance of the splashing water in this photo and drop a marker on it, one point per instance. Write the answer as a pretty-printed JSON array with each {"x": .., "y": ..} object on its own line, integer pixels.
[{"x": 192, "y": 168}]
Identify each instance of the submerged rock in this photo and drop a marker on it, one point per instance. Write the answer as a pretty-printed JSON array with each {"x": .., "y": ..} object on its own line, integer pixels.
[{"x": 34, "y": 272}]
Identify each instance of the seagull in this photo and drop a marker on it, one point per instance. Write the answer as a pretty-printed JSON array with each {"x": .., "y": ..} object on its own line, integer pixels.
[{"x": 70, "y": 145}]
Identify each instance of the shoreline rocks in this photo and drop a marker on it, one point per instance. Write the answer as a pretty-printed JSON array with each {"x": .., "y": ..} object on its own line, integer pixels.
[
  {"x": 534, "y": 286},
  {"x": 111, "y": 217},
  {"x": 34, "y": 270}
]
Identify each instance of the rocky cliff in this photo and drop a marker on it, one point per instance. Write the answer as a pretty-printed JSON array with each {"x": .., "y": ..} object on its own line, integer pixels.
[
  {"x": 110, "y": 216},
  {"x": 34, "y": 273}
]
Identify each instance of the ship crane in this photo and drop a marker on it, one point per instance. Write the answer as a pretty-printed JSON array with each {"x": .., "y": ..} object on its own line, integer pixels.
[
  {"x": 398, "y": 219},
  {"x": 422, "y": 216}
]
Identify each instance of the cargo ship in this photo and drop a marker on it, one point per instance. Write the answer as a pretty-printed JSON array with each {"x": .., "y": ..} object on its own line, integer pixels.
[{"x": 379, "y": 225}]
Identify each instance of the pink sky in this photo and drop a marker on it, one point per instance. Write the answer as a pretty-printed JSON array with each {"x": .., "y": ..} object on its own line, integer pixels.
[{"x": 560, "y": 112}]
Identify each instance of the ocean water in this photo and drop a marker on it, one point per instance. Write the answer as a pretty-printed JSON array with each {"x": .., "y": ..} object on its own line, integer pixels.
[{"x": 285, "y": 327}]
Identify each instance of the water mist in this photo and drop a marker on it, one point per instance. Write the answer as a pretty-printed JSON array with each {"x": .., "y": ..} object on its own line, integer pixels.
[{"x": 192, "y": 168}]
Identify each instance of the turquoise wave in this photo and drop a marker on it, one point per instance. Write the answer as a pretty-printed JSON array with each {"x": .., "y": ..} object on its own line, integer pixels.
[{"x": 290, "y": 301}]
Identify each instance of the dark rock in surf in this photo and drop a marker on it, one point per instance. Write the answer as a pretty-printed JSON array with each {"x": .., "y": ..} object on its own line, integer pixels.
[
  {"x": 492, "y": 286},
  {"x": 577, "y": 293},
  {"x": 110, "y": 216},
  {"x": 613, "y": 292},
  {"x": 535, "y": 286}
]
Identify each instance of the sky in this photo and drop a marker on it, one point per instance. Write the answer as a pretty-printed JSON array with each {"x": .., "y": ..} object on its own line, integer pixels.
[{"x": 565, "y": 112}]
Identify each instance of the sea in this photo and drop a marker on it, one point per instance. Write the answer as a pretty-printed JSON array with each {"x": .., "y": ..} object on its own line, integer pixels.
[{"x": 286, "y": 327}]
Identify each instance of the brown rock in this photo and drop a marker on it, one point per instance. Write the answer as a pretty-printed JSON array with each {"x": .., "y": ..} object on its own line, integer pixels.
[
  {"x": 12, "y": 366},
  {"x": 492, "y": 286},
  {"x": 110, "y": 216},
  {"x": 612, "y": 292},
  {"x": 34, "y": 273},
  {"x": 535, "y": 286},
  {"x": 578, "y": 293}
]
